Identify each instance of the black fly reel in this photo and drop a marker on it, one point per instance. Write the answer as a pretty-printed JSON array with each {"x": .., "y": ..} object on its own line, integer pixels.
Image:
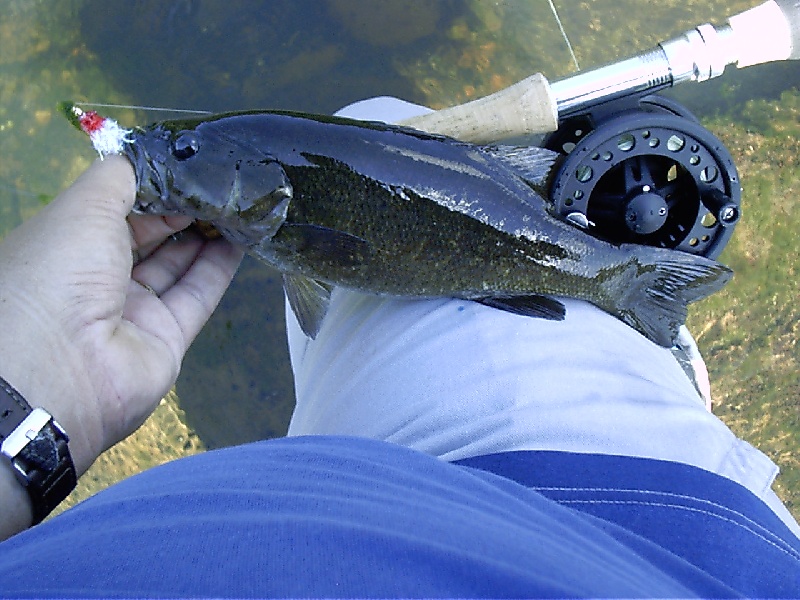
[{"x": 652, "y": 175}]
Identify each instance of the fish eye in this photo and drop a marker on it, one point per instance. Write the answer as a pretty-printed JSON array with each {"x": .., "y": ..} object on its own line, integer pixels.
[{"x": 185, "y": 146}]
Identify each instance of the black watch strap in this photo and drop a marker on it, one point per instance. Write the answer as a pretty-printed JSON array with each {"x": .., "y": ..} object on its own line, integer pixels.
[{"x": 37, "y": 449}]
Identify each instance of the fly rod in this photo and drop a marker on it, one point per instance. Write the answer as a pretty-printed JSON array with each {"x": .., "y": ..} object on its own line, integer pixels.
[{"x": 768, "y": 32}]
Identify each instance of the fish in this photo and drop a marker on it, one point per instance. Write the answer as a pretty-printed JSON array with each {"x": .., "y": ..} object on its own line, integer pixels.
[{"x": 393, "y": 211}]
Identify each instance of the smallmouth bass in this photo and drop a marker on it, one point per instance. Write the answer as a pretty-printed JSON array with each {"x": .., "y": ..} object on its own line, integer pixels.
[{"x": 389, "y": 210}]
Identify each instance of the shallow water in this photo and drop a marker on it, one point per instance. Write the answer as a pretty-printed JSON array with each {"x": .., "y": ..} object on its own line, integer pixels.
[{"x": 316, "y": 55}]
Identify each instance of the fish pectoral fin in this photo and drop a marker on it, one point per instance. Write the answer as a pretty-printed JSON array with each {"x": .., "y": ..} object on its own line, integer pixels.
[
  {"x": 324, "y": 244},
  {"x": 309, "y": 300},
  {"x": 528, "y": 306}
]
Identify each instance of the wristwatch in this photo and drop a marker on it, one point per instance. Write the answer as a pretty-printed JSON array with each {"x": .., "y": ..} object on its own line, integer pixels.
[{"x": 37, "y": 448}]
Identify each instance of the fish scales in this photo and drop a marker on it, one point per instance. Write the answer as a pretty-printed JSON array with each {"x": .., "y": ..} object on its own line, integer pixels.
[
  {"x": 409, "y": 238},
  {"x": 394, "y": 211}
]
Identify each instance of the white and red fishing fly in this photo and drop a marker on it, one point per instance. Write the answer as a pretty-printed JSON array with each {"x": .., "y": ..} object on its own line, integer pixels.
[{"x": 107, "y": 136}]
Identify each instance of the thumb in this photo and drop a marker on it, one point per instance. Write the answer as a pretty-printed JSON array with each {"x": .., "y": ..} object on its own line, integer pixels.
[{"x": 109, "y": 186}]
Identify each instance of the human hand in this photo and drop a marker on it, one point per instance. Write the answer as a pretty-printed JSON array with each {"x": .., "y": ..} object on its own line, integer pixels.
[{"x": 88, "y": 334}]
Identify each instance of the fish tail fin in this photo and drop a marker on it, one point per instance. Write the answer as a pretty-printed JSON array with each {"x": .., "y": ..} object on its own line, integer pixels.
[{"x": 655, "y": 288}]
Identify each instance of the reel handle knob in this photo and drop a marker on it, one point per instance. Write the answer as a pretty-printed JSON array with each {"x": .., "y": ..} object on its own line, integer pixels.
[{"x": 726, "y": 211}]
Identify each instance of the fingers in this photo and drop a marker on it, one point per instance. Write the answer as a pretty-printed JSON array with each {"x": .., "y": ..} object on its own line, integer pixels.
[
  {"x": 189, "y": 276},
  {"x": 195, "y": 296},
  {"x": 166, "y": 263},
  {"x": 149, "y": 231}
]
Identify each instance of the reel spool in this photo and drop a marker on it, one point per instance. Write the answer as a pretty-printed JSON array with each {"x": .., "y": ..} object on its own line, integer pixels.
[{"x": 650, "y": 175}]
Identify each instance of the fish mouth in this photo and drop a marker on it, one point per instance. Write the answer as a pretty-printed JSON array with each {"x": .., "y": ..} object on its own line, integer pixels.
[{"x": 151, "y": 190}]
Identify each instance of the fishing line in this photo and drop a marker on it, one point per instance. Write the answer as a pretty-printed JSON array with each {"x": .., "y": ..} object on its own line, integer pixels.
[
  {"x": 564, "y": 35},
  {"x": 154, "y": 108}
]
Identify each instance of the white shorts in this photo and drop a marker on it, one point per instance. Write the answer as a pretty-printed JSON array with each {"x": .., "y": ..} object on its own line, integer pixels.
[{"x": 457, "y": 379}]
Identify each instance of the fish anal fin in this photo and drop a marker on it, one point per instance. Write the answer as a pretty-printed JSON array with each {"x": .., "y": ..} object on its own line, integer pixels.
[
  {"x": 309, "y": 300},
  {"x": 534, "y": 305}
]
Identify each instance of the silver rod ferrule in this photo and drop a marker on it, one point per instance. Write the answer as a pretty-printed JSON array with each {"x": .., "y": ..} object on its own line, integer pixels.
[
  {"x": 649, "y": 71},
  {"x": 697, "y": 55}
]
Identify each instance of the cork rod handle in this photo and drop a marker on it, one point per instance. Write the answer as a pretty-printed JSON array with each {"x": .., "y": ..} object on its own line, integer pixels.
[{"x": 525, "y": 108}]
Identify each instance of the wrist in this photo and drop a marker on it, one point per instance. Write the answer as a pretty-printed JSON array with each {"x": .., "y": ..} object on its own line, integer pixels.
[
  {"x": 55, "y": 391},
  {"x": 16, "y": 504},
  {"x": 43, "y": 366},
  {"x": 36, "y": 450}
]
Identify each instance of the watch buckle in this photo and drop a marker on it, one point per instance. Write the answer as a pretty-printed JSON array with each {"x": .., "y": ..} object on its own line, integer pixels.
[{"x": 24, "y": 434}]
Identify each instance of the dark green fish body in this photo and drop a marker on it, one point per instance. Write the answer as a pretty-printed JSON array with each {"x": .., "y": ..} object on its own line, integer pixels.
[{"x": 393, "y": 211}]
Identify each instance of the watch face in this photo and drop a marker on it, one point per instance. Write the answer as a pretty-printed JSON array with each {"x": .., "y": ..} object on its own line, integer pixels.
[{"x": 52, "y": 476}]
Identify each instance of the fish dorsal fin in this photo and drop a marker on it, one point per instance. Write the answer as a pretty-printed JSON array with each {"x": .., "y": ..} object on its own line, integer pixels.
[
  {"x": 533, "y": 163},
  {"x": 309, "y": 300}
]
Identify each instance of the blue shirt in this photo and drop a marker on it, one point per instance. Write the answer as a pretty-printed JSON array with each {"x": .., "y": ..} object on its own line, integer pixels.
[{"x": 337, "y": 516}]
